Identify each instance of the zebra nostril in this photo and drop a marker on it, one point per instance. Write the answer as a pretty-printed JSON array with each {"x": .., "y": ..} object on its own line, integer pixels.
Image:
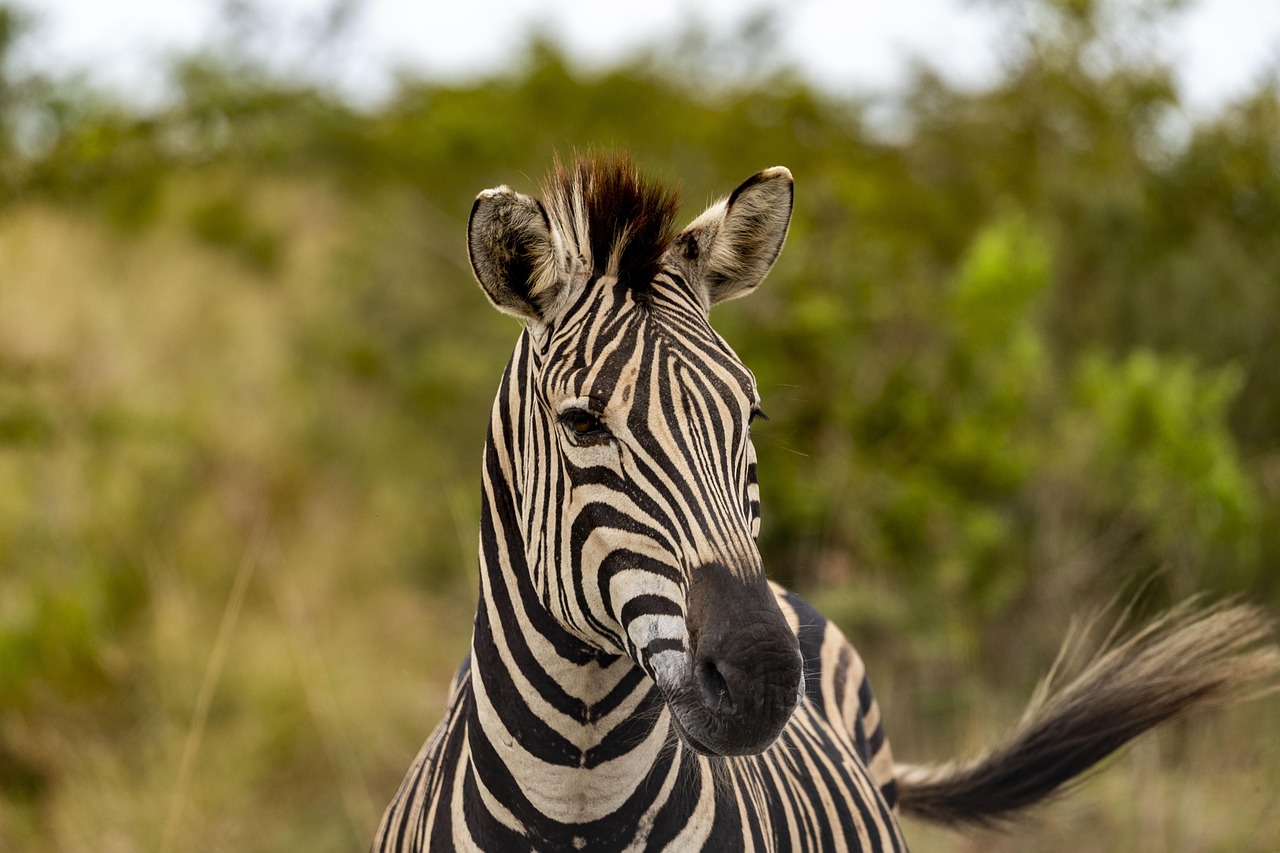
[{"x": 714, "y": 688}]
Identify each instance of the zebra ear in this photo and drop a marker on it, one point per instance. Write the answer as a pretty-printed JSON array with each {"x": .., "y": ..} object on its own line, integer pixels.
[
  {"x": 733, "y": 244},
  {"x": 510, "y": 245}
]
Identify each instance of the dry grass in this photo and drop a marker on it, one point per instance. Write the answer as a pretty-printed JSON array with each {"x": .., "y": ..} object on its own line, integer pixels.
[
  {"x": 268, "y": 707},
  {"x": 1211, "y": 784}
]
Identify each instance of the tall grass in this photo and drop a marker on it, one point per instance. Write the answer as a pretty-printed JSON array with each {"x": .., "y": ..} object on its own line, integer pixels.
[{"x": 155, "y": 696}]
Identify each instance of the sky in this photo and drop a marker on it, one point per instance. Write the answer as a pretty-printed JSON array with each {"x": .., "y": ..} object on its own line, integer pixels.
[{"x": 1220, "y": 47}]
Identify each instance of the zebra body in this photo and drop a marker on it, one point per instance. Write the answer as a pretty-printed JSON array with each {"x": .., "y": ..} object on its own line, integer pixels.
[
  {"x": 634, "y": 682},
  {"x": 826, "y": 784}
]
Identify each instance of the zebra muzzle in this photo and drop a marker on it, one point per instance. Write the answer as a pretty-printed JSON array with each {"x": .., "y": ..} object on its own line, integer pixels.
[{"x": 745, "y": 670}]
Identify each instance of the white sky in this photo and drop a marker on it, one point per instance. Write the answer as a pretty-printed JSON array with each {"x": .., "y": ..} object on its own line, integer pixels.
[{"x": 1220, "y": 46}]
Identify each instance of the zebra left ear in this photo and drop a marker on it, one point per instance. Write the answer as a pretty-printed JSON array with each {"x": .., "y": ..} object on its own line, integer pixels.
[
  {"x": 511, "y": 249},
  {"x": 733, "y": 244}
]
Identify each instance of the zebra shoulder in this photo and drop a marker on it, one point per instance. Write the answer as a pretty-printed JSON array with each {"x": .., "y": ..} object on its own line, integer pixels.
[
  {"x": 838, "y": 688},
  {"x": 407, "y": 824}
]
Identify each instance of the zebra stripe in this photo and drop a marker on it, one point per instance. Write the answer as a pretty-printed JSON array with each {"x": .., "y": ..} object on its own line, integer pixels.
[
  {"x": 634, "y": 682},
  {"x": 826, "y": 784},
  {"x": 599, "y": 707}
]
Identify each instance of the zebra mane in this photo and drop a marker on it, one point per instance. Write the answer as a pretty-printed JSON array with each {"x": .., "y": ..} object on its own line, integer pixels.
[{"x": 603, "y": 210}]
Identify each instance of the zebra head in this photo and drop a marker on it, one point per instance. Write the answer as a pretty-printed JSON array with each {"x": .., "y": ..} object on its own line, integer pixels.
[{"x": 622, "y": 433}]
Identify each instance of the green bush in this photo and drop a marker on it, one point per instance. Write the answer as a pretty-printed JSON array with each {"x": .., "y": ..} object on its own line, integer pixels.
[{"x": 1018, "y": 357}]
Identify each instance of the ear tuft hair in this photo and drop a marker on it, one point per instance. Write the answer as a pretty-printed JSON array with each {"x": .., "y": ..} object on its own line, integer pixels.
[
  {"x": 602, "y": 218},
  {"x": 618, "y": 221}
]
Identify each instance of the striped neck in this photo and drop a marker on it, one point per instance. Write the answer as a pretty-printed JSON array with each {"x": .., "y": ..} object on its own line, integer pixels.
[{"x": 564, "y": 733}]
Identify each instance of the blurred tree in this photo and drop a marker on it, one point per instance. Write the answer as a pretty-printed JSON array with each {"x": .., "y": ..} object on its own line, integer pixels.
[{"x": 1019, "y": 352}]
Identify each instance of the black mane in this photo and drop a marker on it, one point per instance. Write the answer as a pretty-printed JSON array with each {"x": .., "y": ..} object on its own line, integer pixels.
[{"x": 618, "y": 220}]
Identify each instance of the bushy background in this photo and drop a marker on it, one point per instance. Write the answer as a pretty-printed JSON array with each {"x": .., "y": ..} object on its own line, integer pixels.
[{"x": 1020, "y": 358}]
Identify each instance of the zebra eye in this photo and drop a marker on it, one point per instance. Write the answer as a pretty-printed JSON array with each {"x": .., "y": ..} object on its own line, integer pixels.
[
  {"x": 757, "y": 413},
  {"x": 582, "y": 423}
]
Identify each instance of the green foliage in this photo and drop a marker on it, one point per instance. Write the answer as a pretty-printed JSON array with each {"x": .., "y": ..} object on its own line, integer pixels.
[
  {"x": 972, "y": 445},
  {"x": 223, "y": 222},
  {"x": 1159, "y": 433},
  {"x": 1018, "y": 357}
]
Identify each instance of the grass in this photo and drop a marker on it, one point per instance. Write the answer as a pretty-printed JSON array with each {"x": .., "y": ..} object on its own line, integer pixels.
[
  {"x": 1210, "y": 784},
  {"x": 154, "y": 693}
]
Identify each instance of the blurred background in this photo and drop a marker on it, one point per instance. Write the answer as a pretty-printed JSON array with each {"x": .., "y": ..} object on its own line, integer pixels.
[{"x": 1021, "y": 359}]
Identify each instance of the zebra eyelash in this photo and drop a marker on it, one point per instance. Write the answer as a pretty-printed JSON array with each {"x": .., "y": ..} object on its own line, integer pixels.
[
  {"x": 582, "y": 424},
  {"x": 757, "y": 413}
]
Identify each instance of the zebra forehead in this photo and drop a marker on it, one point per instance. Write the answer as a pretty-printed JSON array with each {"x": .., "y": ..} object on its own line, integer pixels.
[
  {"x": 646, "y": 344},
  {"x": 603, "y": 210}
]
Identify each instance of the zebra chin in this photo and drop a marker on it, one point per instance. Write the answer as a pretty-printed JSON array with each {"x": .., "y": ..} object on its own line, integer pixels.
[{"x": 711, "y": 731}]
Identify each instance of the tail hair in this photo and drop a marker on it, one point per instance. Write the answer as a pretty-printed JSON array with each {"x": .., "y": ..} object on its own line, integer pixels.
[{"x": 1189, "y": 658}]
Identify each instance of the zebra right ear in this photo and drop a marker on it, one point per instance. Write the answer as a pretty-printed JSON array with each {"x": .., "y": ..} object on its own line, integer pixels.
[
  {"x": 512, "y": 255},
  {"x": 733, "y": 244}
]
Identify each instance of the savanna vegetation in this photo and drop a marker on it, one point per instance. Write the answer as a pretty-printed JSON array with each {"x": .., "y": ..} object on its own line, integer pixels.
[{"x": 1020, "y": 359}]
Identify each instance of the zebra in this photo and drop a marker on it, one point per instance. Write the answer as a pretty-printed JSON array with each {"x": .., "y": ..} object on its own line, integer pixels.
[{"x": 634, "y": 681}]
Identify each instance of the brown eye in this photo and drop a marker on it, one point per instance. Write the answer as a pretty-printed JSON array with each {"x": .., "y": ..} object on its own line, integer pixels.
[{"x": 583, "y": 423}]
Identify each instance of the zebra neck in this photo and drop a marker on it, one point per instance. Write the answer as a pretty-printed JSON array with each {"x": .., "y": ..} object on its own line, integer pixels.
[
  {"x": 560, "y": 730},
  {"x": 558, "y": 740}
]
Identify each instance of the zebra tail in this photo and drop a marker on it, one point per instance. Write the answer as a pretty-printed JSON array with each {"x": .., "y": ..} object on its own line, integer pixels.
[{"x": 1190, "y": 658}]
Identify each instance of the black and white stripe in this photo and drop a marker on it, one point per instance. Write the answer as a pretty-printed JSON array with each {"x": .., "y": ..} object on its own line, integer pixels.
[{"x": 634, "y": 682}]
